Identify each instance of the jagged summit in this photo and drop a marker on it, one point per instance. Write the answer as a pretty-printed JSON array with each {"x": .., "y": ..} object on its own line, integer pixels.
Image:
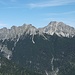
[
  {"x": 53, "y": 27},
  {"x": 55, "y": 23},
  {"x": 17, "y": 31},
  {"x": 58, "y": 28}
]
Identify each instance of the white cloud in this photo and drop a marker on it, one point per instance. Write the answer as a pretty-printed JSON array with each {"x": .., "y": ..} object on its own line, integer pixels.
[
  {"x": 64, "y": 13},
  {"x": 3, "y": 25},
  {"x": 51, "y": 3}
]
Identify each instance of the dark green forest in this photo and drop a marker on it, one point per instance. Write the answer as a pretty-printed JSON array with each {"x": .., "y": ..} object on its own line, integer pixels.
[
  {"x": 10, "y": 68},
  {"x": 33, "y": 59}
]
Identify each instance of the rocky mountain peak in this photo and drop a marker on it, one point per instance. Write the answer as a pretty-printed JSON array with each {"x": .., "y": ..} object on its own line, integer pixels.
[
  {"x": 53, "y": 27},
  {"x": 17, "y": 31},
  {"x": 58, "y": 28},
  {"x": 52, "y": 23}
]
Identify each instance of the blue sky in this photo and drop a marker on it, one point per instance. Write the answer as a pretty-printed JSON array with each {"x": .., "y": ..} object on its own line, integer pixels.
[{"x": 36, "y": 12}]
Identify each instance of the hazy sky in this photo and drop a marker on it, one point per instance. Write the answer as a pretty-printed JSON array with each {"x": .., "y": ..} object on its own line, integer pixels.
[{"x": 36, "y": 12}]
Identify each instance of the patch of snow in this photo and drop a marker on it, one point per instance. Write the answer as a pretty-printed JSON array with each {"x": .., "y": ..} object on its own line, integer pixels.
[
  {"x": 12, "y": 48},
  {"x": 52, "y": 63},
  {"x": 55, "y": 72},
  {"x": 0, "y": 64},
  {"x": 8, "y": 57},
  {"x": 30, "y": 62},
  {"x": 6, "y": 53},
  {"x": 46, "y": 73},
  {"x": 44, "y": 37},
  {"x": 16, "y": 42},
  {"x": 33, "y": 39}
]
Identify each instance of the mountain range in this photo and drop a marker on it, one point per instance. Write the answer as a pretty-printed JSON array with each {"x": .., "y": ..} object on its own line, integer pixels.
[{"x": 47, "y": 51}]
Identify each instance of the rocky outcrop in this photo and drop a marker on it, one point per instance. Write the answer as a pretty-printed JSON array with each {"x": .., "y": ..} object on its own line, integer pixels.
[
  {"x": 53, "y": 27},
  {"x": 58, "y": 28},
  {"x": 17, "y": 31}
]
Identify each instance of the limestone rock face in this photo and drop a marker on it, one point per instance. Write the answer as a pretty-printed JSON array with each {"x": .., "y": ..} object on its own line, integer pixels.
[
  {"x": 58, "y": 28},
  {"x": 17, "y": 31}
]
